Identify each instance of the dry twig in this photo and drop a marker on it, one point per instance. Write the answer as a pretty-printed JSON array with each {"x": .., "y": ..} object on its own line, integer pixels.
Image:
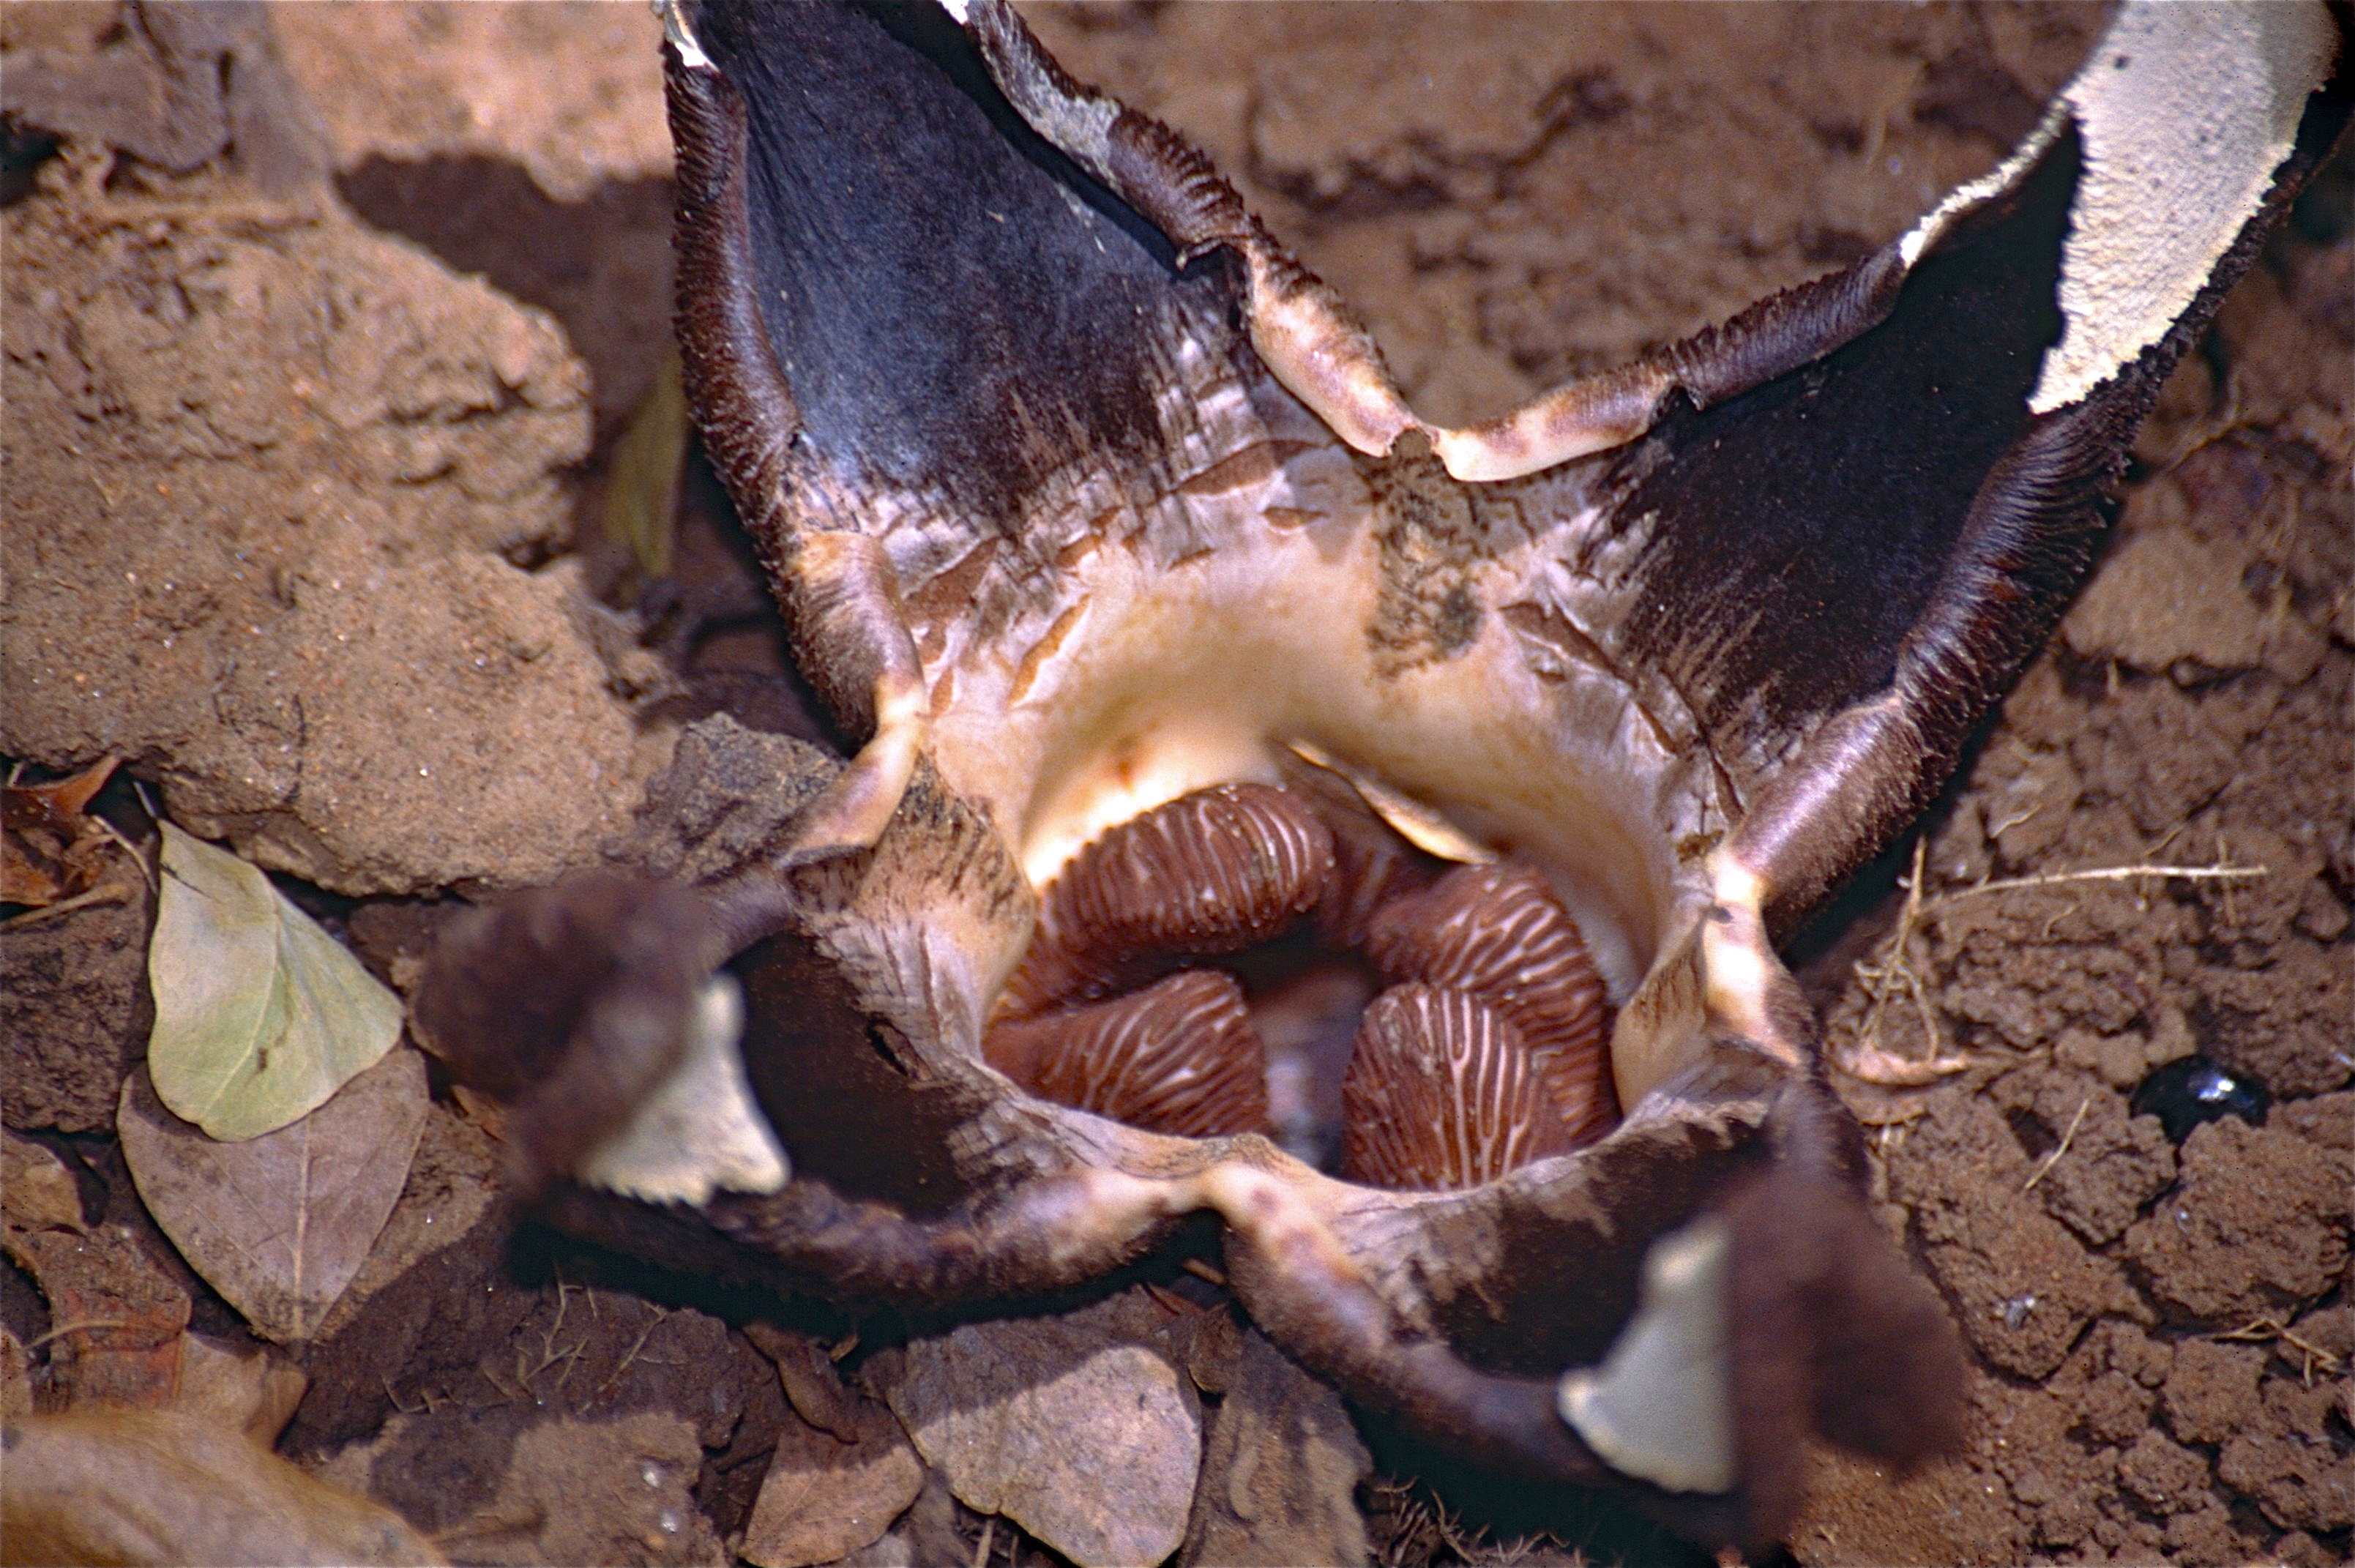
[
  {"x": 2218, "y": 873},
  {"x": 2063, "y": 1146},
  {"x": 1203, "y": 1271},
  {"x": 87, "y": 1326},
  {"x": 2263, "y": 1330},
  {"x": 1869, "y": 1059},
  {"x": 630, "y": 1358}
]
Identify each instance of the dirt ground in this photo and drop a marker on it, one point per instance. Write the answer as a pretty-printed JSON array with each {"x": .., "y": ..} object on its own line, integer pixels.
[{"x": 316, "y": 368}]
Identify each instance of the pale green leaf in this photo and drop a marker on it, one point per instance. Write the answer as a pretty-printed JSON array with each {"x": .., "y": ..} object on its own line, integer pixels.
[
  {"x": 642, "y": 488},
  {"x": 260, "y": 1015}
]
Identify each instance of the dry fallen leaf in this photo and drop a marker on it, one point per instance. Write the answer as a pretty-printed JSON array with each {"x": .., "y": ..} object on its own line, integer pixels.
[
  {"x": 508, "y": 1484},
  {"x": 280, "y": 1223},
  {"x": 152, "y": 1487},
  {"x": 15, "y": 1379},
  {"x": 255, "y": 1391},
  {"x": 1281, "y": 1471},
  {"x": 49, "y": 849},
  {"x": 260, "y": 1015},
  {"x": 37, "y": 1192},
  {"x": 1070, "y": 1426},
  {"x": 823, "y": 1498},
  {"x": 23, "y": 879},
  {"x": 813, "y": 1386},
  {"x": 116, "y": 1316}
]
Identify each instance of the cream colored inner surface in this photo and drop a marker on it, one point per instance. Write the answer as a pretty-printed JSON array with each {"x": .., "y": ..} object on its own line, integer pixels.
[{"x": 1141, "y": 682}]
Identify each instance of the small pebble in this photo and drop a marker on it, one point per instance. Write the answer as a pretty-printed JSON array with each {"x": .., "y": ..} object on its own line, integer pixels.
[{"x": 2184, "y": 1094}]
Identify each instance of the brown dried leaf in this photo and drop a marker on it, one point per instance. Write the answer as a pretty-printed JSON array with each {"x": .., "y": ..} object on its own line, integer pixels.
[
  {"x": 1072, "y": 1427},
  {"x": 453, "y": 1183},
  {"x": 823, "y": 1498},
  {"x": 280, "y": 1223},
  {"x": 47, "y": 846},
  {"x": 37, "y": 1192},
  {"x": 141, "y": 1487},
  {"x": 15, "y": 1377},
  {"x": 23, "y": 879},
  {"x": 1214, "y": 1351},
  {"x": 1280, "y": 1478},
  {"x": 509, "y": 1484},
  {"x": 117, "y": 1317},
  {"x": 254, "y": 1392},
  {"x": 811, "y": 1385},
  {"x": 59, "y": 808}
]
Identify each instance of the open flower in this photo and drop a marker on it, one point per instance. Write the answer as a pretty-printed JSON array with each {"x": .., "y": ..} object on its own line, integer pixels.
[{"x": 1195, "y": 673}]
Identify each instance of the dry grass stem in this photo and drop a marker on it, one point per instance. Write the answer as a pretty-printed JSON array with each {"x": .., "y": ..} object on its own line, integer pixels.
[
  {"x": 87, "y": 1326},
  {"x": 630, "y": 1360},
  {"x": 2218, "y": 873},
  {"x": 2063, "y": 1146},
  {"x": 2264, "y": 1330},
  {"x": 1892, "y": 974},
  {"x": 104, "y": 893}
]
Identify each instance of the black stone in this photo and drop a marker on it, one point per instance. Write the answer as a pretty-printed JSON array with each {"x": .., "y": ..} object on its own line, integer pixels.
[{"x": 2190, "y": 1090}]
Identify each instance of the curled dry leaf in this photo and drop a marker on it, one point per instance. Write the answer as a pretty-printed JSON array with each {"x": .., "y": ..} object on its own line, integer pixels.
[
  {"x": 141, "y": 1486},
  {"x": 260, "y": 1015},
  {"x": 1281, "y": 1471},
  {"x": 1070, "y": 1427},
  {"x": 826, "y": 1495},
  {"x": 50, "y": 847},
  {"x": 254, "y": 1391},
  {"x": 842, "y": 1470},
  {"x": 278, "y": 1224},
  {"x": 23, "y": 880},
  {"x": 811, "y": 1385},
  {"x": 37, "y": 1192},
  {"x": 117, "y": 1316},
  {"x": 511, "y": 1483}
]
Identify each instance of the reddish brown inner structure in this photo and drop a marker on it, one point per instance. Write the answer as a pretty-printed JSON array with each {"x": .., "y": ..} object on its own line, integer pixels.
[{"x": 1487, "y": 1050}]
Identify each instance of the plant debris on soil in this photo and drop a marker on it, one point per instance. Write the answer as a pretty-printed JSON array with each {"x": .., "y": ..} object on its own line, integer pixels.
[{"x": 323, "y": 329}]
